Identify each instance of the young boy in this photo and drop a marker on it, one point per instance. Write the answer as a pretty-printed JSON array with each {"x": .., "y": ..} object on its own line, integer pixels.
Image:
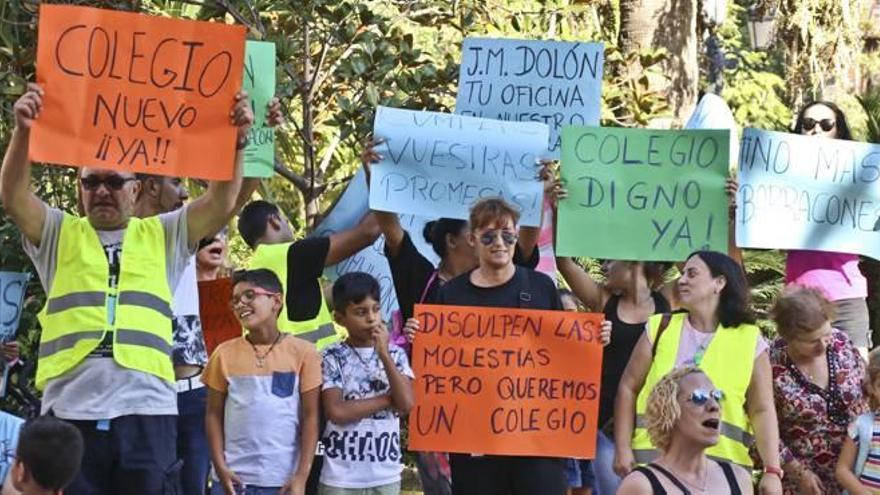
[
  {"x": 367, "y": 383},
  {"x": 262, "y": 413},
  {"x": 47, "y": 458}
]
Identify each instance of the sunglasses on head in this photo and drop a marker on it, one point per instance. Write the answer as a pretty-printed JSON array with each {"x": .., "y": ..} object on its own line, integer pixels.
[
  {"x": 248, "y": 296},
  {"x": 825, "y": 124},
  {"x": 113, "y": 182},
  {"x": 487, "y": 238},
  {"x": 700, "y": 397}
]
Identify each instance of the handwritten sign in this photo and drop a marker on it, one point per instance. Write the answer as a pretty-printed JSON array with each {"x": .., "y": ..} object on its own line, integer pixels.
[
  {"x": 12, "y": 290},
  {"x": 555, "y": 82},
  {"x": 345, "y": 214},
  {"x": 643, "y": 194},
  {"x": 803, "y": 192},
  {"x": 259, "y": 82},
  {"x": 135, "y": 92},
  {"x": 506, "y": 381},
  {"x": 219, "y": 323},
  {"x": 437, "y": 165}
]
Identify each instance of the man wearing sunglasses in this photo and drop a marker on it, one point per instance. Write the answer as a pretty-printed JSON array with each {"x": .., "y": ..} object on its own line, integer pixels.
[{"x": 105, "y": 351}]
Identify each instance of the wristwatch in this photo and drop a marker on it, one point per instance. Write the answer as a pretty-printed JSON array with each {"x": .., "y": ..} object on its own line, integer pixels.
[{"x": 774, "y": 470}]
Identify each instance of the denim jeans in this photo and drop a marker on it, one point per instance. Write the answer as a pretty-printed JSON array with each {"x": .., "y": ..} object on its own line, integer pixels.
[
  {"x": 192, "y": 441},
  {"x": 606, "y": 480},
  {"x": 217, "y": 489}
]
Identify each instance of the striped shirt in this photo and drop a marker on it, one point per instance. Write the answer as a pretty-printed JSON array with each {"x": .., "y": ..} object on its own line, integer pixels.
[{"x": 870, "y": 476}]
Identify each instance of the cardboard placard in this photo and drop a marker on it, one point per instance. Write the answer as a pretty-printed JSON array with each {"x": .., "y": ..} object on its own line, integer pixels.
[{"x": 506, "y": 381}]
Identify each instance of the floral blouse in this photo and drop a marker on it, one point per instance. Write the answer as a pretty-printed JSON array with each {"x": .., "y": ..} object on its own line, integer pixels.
[{"x": 813, "y": 421}]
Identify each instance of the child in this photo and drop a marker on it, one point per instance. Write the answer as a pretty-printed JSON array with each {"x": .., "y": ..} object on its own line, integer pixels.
[
  {"x": 262, "y": 413},
  {"x": 48, "y": 456},
  {"x": 367, "y": 383},
  {"x": 858, "y": 467}
]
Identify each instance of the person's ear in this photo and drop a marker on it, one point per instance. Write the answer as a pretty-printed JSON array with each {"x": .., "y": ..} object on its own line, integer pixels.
[
  {"x": 274, "y": 222},
  {"x": 720, "y": 283},
  {"x": 338, "y": 317},
  {"x": 137, "y": 185}
]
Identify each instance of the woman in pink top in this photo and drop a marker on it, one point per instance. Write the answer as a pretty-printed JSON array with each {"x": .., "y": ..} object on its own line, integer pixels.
[{"x": 837, "y": 275}]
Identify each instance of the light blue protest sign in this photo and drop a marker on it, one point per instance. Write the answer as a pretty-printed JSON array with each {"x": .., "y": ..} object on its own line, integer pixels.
[
  {"x": 558, "y": 83},
  {"x": 351, "y": 206},
  {"x": 12, "y": 291},
  {"x": 437, "y": 165},
  {"x": 804, "y": 192}
]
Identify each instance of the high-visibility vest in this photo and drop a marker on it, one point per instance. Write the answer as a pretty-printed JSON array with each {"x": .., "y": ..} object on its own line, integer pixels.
[
  {"x": 728, "y": 362},
  {"x": 75, "y": 317},
  {"x": 318, "y": 330}
]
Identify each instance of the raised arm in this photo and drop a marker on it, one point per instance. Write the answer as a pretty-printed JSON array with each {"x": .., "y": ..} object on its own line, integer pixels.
[
  {"x": 25, "y": 209},
  {"x": 208, "y": 213},
  {"x": 732, "y": 188},
  {"x": 346, "y": 243},
  {"x": 553, "y": 192},
  {"x": 588, "y": 290},
  {"x": 249, "y": 185},
  {"x": 389, "y": 223},
  {"x": 625, "y": 405}
]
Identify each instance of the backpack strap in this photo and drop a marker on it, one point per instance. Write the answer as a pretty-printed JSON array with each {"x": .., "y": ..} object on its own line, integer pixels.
[
  {"x": 664, "y": 323},
  {"x": 431, "y": 280},
  {"x": 656, "y": 486},
  {"x": 730, "y": 477},
  {"x": 524, "y": 298}
]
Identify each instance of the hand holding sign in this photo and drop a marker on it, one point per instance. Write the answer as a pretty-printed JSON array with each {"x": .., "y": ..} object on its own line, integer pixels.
[
  {"x": 28, "y": 107},
  {"x": 242, "y": 116}
]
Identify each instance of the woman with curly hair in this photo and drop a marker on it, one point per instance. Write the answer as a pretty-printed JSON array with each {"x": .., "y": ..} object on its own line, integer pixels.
[{"x": 683, "y": 419}]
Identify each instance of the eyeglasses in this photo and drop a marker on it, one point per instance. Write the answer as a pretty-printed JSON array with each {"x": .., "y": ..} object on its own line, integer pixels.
[
  {"x": 487, "y": 238},
  {"x": 248, "y": 296},
  {"x": 700, "y": 397},
  {"x": 825, "y": 124},
  {"x": 113, "y": 182}
]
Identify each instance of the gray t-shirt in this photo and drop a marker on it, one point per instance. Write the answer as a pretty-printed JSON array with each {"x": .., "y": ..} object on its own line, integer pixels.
[{"x": 99, "y": 388}]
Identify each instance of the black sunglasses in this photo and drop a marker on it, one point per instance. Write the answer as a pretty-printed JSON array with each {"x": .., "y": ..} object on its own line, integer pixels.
[
  {"x": 701, "y": 397},
  {"x": 487, "y": 238},
  {"x": 113, "y": 182},
  {"x": 825, "y": 124}
]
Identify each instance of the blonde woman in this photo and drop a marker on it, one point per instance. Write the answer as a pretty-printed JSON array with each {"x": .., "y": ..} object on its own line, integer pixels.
[{"x": 683, "y": 419}]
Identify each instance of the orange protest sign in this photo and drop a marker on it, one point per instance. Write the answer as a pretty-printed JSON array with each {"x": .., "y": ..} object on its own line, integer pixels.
[
  {"x": 135, "y": 92},
  {"x": 506, "y": 381},
  {"x": 218, "y": 322}
]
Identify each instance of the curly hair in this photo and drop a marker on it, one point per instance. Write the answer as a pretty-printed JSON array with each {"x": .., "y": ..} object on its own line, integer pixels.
[
  {"x": 663, "y": 410},
  {"x": 873, "y": 372}
]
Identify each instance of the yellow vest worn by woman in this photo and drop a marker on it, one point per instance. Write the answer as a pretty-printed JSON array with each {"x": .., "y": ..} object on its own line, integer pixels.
[
  {"x": 320, "y": 329},
  {"x": 728, "y": 362},
  {"x": 75, "y": 317}
]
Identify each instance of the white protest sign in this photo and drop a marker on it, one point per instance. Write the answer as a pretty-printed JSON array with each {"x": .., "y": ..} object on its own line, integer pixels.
[
  {"x": 558, "y": 83},
  {"x": 804, "y": 192},
  {"x": 437, "y": 165}
]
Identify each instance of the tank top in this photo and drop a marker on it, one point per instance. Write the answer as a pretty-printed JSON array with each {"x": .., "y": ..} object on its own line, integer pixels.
[
  {"x": 657, "y": 487},
  {"x": 624, "y": 337}
]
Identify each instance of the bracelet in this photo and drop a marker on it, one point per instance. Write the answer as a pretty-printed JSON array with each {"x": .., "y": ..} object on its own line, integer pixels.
[{"x": 774, "y": 471}]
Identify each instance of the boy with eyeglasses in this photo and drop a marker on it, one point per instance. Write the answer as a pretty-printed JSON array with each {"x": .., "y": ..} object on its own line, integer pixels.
[{"x": 262, "y": 413}]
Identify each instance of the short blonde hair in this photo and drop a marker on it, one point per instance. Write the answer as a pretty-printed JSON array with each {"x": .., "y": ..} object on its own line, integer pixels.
[{"x": 663, "y": 410}]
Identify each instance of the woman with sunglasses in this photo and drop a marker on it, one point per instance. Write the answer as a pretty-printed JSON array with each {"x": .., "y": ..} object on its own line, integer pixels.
[
  {"x": 817, "y": 382},
  {"x": 683, "y": 419},
  {"x": 837, "y": 275},
  {"x": 497, "y": 282},
  {"x": 715, "y": 333}
]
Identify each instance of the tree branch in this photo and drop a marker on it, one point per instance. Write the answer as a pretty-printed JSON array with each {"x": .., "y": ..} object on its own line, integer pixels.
[{"x": 298, "y": 181}]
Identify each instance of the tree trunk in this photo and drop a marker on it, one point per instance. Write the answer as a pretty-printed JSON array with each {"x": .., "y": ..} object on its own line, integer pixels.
[
  {"x": 669, "y": 24},
  {"x": 311, "y": 205}
]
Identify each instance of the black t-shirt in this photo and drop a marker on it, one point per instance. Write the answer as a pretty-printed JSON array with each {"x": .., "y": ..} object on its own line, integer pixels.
[
  {"x": 305, "y": 267},
  {"x": 616, "y": 355},
  {"x": 411, "y": 272},
  {"x": 542, "y": 294}
]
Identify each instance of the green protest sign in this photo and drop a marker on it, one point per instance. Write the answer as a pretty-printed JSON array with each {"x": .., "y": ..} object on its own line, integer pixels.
[
  {"x": 643, "y": 194},
  {"x": 259, "y": 82}
]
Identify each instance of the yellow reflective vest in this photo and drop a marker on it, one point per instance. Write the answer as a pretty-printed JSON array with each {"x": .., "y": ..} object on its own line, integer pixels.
[
  {"x": 76, "y": 317},
  {"x": 318, "y": 330},
  {"x": 728, "y": 362}
]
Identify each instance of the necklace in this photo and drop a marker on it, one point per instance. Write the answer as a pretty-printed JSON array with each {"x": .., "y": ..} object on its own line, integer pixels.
[
  {"x": 261, "y": 360},
  {"x": 702, "y": 486},
  {"x": 357, "y": 354}
]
